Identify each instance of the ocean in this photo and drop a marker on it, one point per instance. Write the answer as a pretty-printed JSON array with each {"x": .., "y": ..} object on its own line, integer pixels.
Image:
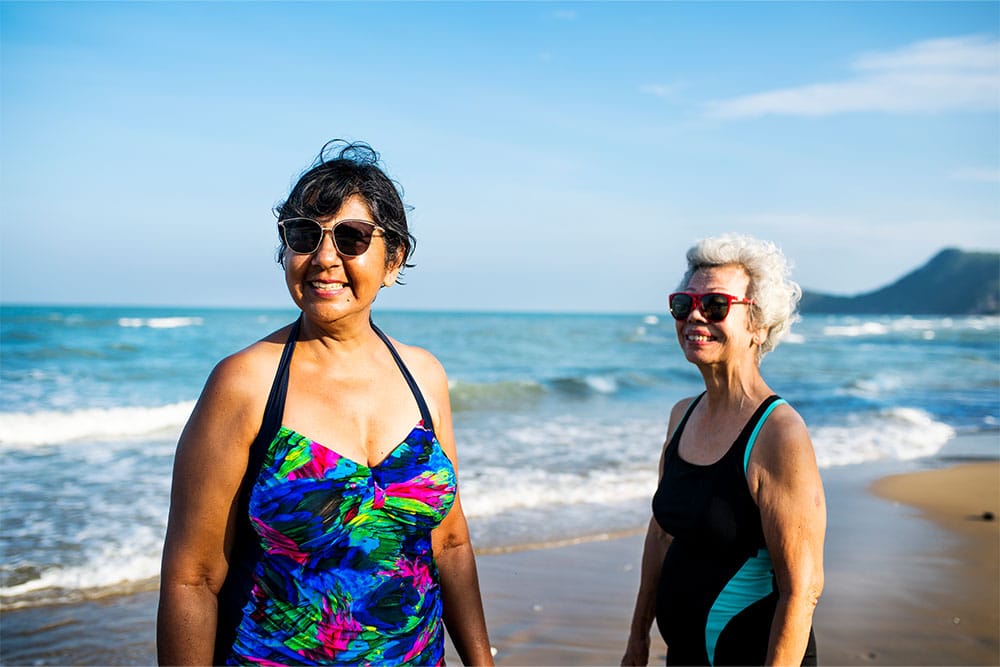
[{"x": 559, "y": 419}]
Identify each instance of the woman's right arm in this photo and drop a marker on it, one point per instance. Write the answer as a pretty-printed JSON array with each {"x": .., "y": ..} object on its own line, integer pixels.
[
  {"x": 208, "y": 469},
  {"x": 655, "y": 548},
  {"x": 653, "y": 551}
]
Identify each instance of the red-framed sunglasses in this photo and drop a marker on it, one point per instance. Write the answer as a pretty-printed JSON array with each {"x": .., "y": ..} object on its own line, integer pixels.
[{"x": 713, "y": 305}]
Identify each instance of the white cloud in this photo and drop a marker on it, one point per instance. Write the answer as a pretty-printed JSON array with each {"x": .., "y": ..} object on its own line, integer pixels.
[
  {"x": 663, "y": 90},
  {"x": 564, "y": 15},
  {"x": 977, "y": 175},
  {"x": 948, "y": 74}
]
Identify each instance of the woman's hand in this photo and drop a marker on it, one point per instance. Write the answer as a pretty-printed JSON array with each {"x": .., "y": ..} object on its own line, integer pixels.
[{"x": 637, "y": 650}]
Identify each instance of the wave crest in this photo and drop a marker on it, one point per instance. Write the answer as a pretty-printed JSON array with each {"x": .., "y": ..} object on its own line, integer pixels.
[
  {"x": 48, "y": 427},
  {"x": 894, "y": 433},
  {"x": 541, "y": 488},
  {"x": 493, "y": 395},
  {"x": 160, "y": 322}
]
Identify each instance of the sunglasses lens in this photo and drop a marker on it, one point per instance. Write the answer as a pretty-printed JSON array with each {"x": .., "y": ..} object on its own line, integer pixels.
[
  {"x": 680, "y": 306},
  {"x": 715, "y": 307},
  {"x": 353, "y": 237},
  {"x": 301, "y": 235}
]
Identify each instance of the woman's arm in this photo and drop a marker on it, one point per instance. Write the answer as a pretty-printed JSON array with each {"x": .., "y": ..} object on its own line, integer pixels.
[
  {"x": 463, "y": 605},
  {"x": 456, "y": 563},
  {"x": 208, "y": 468},
  {"x": 787, "y": 487},
  {"x": 653, "y": 551}
]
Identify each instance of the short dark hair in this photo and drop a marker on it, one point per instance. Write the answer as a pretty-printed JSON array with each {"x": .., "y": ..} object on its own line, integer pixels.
[{"x": 343, "y": 169}]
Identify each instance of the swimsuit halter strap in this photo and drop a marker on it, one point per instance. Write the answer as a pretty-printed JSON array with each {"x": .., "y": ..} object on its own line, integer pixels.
[
  {"x": 765, "y": 410},
  {"x": 425, "y": 413},
  {"x": 275, "y": 409}
]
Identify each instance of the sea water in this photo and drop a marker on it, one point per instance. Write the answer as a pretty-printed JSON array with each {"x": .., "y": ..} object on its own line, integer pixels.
[{"x": 559, "y": 419}]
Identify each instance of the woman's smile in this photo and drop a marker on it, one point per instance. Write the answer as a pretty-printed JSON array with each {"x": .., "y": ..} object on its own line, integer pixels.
[
  {"x": 699, "y": 338},
  {"x": 328, "y": 288}
]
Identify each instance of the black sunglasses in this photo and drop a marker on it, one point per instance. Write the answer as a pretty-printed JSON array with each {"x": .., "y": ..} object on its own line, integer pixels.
[
  {"x": 304, "y": 236},
  {"x": 713, "y": 305}
]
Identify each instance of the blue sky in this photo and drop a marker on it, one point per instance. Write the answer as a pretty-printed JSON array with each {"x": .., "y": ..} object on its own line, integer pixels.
[{"x": 558, "y": 156}]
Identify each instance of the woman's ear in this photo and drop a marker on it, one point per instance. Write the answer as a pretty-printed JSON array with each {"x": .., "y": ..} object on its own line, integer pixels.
[
  {"x": 759, "y": 337},
  {"x": 393, "y": 268}
]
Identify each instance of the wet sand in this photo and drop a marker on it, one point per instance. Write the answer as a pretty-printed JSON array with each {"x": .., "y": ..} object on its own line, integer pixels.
[{"x": 911, "y": 579}]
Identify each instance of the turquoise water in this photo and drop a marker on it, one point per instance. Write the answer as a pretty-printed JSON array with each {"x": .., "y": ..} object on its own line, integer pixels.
[{"x": 559, "y": 419}]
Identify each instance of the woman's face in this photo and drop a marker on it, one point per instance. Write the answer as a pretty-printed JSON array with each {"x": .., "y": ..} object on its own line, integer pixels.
[
  {"x": 328, "y": 286},
  {"x": 707, "y": 342}
]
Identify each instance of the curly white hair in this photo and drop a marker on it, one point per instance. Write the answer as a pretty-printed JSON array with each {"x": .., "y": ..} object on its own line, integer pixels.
[{"x": 774, "y": 294}]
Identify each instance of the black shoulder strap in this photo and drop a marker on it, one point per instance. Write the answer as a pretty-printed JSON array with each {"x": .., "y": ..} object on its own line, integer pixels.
[
  {"x": 425, "y": 414},
  {"x": 246, "y": 550},
  {"x": 274, "y": 411},
  {"x": 684, "y": 420}
]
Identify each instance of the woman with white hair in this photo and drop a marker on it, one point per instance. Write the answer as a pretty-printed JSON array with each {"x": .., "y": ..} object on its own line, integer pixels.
[{"x": 732, "y": 566}]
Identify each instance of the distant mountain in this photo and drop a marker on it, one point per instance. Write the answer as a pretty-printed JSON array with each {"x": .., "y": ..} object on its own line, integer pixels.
[{"x": 953, "y": 282}]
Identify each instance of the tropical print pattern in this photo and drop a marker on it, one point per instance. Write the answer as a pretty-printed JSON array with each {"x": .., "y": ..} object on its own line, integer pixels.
[{"x": 347, "y": 575}]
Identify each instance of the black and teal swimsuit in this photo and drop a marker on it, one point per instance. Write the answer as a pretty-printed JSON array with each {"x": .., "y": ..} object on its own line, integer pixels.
[{"x": 717, "y": 592}]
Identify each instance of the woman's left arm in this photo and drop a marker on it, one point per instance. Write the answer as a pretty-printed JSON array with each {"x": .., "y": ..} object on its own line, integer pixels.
[
  {"x": 456, "y": 563},
  {"x": 789, "y": 492},
  {"x": 463, "y": 604}
]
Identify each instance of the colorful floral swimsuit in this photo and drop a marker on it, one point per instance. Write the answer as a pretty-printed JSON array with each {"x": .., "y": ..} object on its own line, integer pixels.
[{"x": 334, "y": 565}]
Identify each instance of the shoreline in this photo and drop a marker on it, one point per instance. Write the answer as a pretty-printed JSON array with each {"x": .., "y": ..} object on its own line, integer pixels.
[{"x": 897, "y": 578}]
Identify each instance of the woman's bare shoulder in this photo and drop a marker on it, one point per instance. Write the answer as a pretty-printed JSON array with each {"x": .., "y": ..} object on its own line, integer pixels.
[
  {"x": 422, "y": 363},
  {"x": 243, "y": 373},
  {"x": 677, "y": 413},
  {"x": 784, "y": 428},
  {"x": 783, "y": 446}
]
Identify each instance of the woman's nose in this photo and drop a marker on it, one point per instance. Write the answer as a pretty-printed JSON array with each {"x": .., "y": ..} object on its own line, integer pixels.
[
  {"x": 327, "y": 253},
  {"x": 697, "y": 315}
]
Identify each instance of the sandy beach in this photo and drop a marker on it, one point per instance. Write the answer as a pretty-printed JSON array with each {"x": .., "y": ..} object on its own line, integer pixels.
[{"x": 911, "y": 579}]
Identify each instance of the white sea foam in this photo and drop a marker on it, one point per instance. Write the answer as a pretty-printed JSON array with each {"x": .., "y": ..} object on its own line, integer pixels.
[
  {"x": 602, "y": 384},
  {"x": 582, "y": 441},
  {"x": 160, "y": 322},
  {"x": 856, "y": 330},
  {"x": 868, "y": 387},
  {"x": 927, "y": 328},
  {"x": 896, "y": 433},
  {"x": 55, "y": 427},
  {"x": 111, "y": 566},
  {"x": 483, "y": 497}
]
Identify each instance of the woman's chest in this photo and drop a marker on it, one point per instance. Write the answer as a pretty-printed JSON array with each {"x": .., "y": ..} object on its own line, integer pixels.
[
  {"x": 710, "y": 504},
  {"x": 309, "y": 498}
]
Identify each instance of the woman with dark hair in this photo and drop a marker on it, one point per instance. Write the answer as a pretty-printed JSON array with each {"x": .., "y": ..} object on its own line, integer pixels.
[
  {"x": 315, "y": 515},
  {"x": 732, "y": 566}
]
